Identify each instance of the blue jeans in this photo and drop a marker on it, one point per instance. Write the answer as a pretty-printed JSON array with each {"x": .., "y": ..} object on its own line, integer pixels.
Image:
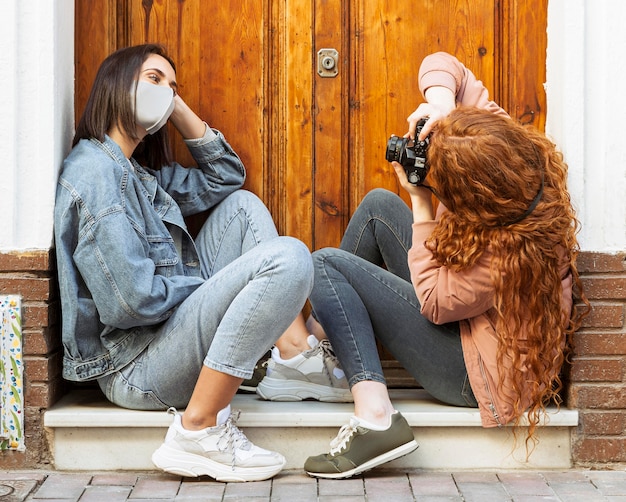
[
  {"x": 256, "y": 285},
  {"x": 358, "y": 302}
]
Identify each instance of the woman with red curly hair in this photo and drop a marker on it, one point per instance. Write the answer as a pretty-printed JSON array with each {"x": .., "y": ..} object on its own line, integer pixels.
[{"x": 475, "y": 298}]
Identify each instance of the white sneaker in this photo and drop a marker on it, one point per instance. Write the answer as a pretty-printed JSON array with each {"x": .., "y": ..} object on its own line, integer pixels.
[
  {"x": 313, "y": 374},
  {"x": 222, "y": 452}
]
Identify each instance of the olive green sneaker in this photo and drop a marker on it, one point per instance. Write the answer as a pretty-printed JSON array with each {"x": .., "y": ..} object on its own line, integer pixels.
[
  {"x": 358, "y": 448},
  {"x": 260, "y": 370}
]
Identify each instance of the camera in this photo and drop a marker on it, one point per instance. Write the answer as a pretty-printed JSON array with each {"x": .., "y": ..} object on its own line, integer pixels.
[{"x": 411, "y": 154}]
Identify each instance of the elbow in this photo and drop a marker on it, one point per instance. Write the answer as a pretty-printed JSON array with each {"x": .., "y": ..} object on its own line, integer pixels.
[
  {"x": 434, "y": 315},
  {"x": 126, "y": 316}
]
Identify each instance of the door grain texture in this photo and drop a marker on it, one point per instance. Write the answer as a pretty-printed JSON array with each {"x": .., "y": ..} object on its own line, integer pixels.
[{"x": 314, "y": 146}]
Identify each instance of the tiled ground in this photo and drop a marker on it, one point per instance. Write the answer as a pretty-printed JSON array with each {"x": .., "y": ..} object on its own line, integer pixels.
[{"x": 295, "y": 486}]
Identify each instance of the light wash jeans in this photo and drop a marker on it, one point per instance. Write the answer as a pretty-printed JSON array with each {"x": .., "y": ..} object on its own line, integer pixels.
[
  {"x": 256, "y": 285},
  {"x": 358, "y": 302}
]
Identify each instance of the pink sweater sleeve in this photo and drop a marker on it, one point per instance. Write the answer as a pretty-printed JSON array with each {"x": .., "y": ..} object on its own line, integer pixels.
[
  {"x": 443, "y": 69},
  {"x": 446, "y": 295}
]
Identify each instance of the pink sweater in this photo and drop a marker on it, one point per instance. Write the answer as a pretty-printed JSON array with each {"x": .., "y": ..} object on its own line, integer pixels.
[{"x": 466, "y": 296}]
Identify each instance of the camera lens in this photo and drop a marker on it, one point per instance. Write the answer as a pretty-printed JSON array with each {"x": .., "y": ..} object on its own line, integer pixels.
[{"x": 395, "y": 146}]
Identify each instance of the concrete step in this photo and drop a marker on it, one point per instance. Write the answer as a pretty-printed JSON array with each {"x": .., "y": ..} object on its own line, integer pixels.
[{"x": 86, "y": 432}]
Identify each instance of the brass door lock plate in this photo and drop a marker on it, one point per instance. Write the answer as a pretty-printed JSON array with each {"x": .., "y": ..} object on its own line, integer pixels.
[{"x": 327, "y": 63}]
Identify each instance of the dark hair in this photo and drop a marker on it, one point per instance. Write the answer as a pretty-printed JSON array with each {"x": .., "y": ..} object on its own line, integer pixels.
[{"x": 110, "y": 103}]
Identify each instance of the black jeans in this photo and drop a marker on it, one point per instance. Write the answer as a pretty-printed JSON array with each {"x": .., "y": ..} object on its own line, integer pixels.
[{"x": 357, "y": 301}]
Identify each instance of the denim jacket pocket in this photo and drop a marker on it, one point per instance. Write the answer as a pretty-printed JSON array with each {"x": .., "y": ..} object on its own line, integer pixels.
[{"x": 162, "y": 252}]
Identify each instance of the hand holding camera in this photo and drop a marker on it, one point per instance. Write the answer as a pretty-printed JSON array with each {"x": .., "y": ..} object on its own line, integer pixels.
[{"x": 410, "y": 154}]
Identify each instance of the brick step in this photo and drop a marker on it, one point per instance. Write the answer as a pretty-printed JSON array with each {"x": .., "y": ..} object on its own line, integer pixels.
[{"x": 86, "y": 432}]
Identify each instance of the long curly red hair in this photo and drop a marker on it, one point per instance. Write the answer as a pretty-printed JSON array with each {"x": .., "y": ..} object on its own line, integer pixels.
[{"x": 488, "y": 170}]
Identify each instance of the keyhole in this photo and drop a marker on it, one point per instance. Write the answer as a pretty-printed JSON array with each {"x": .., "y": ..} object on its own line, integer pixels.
[{"x": 328, "y": 63}]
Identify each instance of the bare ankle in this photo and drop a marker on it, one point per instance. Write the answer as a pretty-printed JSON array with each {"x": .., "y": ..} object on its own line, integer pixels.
[
  {"x": 192, "y": 422},
  {"x": 291, "y": 348},
  {"x": 372, "y": 403},
  {"x": 378, "y": 416}
]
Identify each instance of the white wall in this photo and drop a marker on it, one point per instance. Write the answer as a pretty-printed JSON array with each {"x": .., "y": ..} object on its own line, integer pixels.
[
  {"x": 586, "y": 72},
  {"x": 36, "y": 119},
  {"x": 586, "y": 76}
]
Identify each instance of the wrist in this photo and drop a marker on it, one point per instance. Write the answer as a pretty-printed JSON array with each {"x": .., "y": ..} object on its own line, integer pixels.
[
  {"x": 188, "y": 124},
  {"x": 422, "y": 206}
]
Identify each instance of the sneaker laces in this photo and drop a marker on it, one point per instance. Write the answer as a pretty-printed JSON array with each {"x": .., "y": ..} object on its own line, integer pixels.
[
  {"x": 327, "y": 349},
  {"x": 232, "y": 438},
  {"x": 344, "y": 435},
  {"x": 329, "y": 353}
]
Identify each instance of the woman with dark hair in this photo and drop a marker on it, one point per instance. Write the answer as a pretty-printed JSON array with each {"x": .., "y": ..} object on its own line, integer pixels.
[
  {"x": 158, "y": 319},
  {"x": 475, "y": 298}
]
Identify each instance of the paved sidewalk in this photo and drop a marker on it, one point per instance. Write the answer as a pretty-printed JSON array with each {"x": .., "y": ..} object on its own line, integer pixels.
[{"x": 295, "y": 486}]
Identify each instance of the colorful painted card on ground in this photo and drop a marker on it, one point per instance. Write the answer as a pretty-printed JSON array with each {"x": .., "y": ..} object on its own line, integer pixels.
[{"x": 11, "y": 372}]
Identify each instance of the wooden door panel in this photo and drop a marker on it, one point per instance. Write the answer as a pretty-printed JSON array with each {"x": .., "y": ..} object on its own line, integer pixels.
[
  {"x": 387, "y": 53},
  {"x": 331, "y": 128},
  {"x": 291, "y": 119},
  {"x": 96, "y": 36},
  {"x": 219, "y": 58},
  {"x": 519, "y": 87}
]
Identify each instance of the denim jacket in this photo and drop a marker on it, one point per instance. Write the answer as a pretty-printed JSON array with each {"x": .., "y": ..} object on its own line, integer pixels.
[{"x": 120, "y": 271}]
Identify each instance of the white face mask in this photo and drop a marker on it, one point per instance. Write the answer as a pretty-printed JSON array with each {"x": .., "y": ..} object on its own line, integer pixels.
[{"x": 153, "y": 105}]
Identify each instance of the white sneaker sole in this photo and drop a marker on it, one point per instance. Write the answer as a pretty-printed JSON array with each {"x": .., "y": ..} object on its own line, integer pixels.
[
  {"x": 398, "y": 452},
  {"x": 276, "y": 389},
  {"x": 187, "y": 464}
]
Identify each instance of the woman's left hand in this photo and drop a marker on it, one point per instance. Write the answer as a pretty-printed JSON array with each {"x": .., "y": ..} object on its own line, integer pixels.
[
  {"x": 403, "y": 180},
  {"x": 421, "y": 197}
]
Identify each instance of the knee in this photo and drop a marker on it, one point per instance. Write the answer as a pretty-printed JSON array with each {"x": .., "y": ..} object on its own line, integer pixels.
[
  {"x": 296, "y": 257},
  {"x": 326, "y": 256},
  {"x": 241, "y": 202},
  {"x": 244, "y": 198},
  {"x": 321, "y": 254},
  {"x": 379, "y": 197},
  {"x": 379, "y": 203}
]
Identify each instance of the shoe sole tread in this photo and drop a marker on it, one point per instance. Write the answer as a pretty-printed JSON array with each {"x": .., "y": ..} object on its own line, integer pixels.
[
  {"x": 187, "y": 464},
  {"x": 394, "y": 454},
  {"x": 273, "y": 389}
]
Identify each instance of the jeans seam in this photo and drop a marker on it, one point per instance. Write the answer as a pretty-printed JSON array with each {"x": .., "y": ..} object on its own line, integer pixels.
[
  {"x": 253, "y": 231},
  {"x": 344, "y": 316},
  {"x": 367, "y": 222}
]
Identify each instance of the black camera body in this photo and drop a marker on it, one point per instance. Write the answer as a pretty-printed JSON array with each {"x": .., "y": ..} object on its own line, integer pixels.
[{"x": 411, "y": 154}]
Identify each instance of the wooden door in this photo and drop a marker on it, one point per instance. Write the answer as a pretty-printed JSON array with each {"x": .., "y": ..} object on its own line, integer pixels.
[{"x": 314, "y": 145}]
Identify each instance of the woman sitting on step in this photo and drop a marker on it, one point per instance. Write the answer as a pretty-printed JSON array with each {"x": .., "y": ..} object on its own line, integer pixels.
[
  {"x": 475, "y": 297},
  {"x": 157, "y": 318}
]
